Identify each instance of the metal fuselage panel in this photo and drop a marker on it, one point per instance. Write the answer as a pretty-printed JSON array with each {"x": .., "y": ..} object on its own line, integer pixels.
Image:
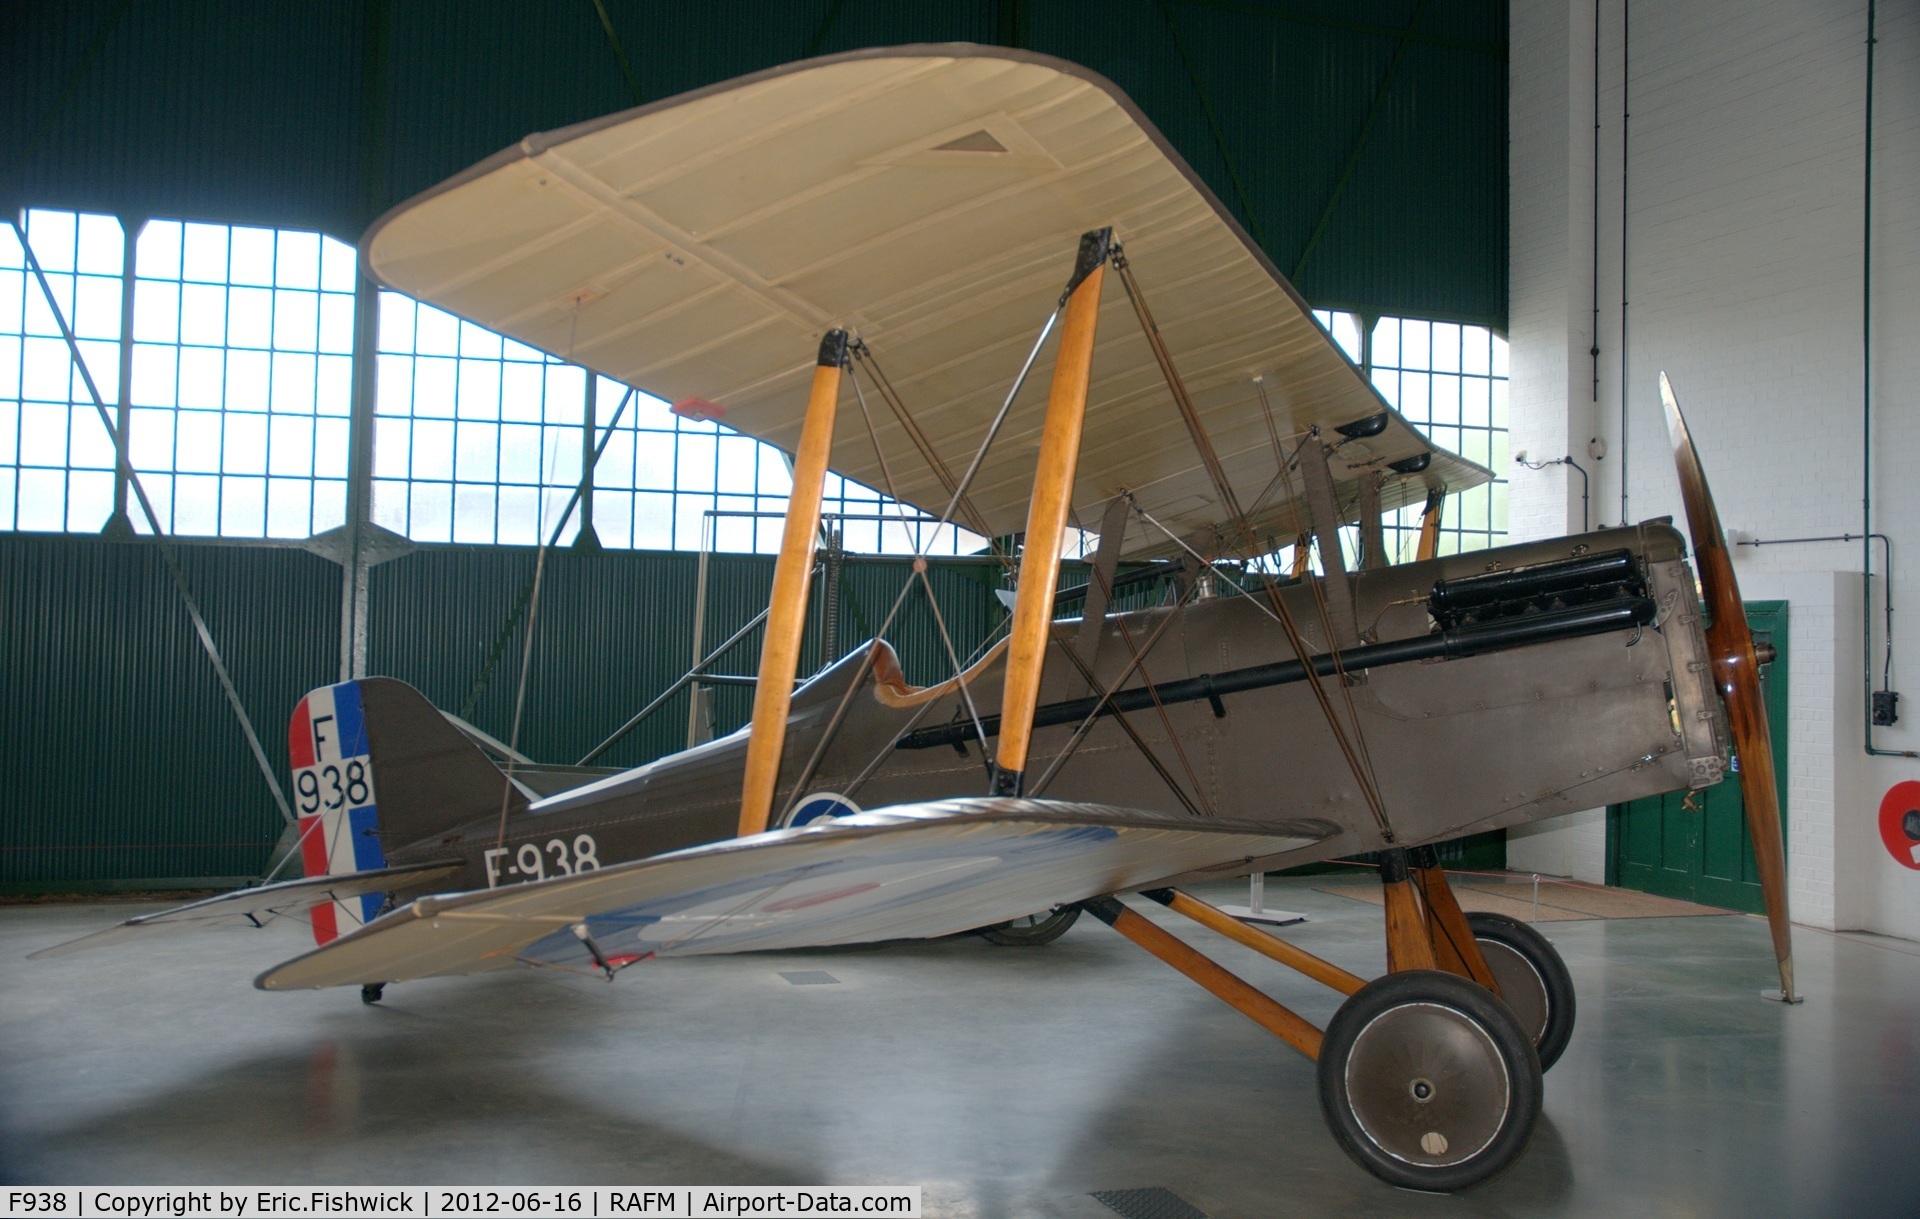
[{"x": 1455, "y": 746}]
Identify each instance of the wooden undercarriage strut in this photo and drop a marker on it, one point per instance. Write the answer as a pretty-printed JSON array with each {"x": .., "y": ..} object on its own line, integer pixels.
[
  {"x": 1425, "y": 930},
  {"x": 1427, "y": 1078}
]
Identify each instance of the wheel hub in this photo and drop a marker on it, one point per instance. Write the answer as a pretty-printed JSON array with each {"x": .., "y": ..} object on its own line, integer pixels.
[
  {"x": 1521, "y": 986},
  {"x": 1427, "y": 1085}
]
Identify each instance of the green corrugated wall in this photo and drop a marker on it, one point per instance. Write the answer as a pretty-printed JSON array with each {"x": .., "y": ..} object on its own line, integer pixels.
[
  {"x": 616, "y": 628},
  {"x": 119, "y": 758},
  {"x": 121, "y": 763},
  {"x": 1364, "y": 143}
]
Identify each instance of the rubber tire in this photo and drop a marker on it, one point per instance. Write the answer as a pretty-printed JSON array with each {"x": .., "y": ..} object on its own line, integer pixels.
[
  {"x": 1480, "y": 1008},
  {"x": 1548, "y": 969},
  {"x": 1046, "y": 931}
]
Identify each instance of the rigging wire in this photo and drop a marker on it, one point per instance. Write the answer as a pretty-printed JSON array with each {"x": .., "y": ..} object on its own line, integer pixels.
[
  {"x": 1363, "y": 771},
  {"x": 865, "y": 355},
  {"x": 946, "y": 517},
  {"x": 1357, "y": 758},
  {"x": 539, "y": 572},
  {"x": 1106, "y": 694},
  {"x": 1126, "y": 725}
]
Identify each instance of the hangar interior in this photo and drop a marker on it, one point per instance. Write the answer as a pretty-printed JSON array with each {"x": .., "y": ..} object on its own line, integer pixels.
[{"x": 1510, "y": 219}]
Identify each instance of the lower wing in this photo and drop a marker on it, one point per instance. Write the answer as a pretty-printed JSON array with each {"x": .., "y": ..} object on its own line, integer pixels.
[
  {"x": 908, "y": 872},
  {"x": 258, "y": 904}
]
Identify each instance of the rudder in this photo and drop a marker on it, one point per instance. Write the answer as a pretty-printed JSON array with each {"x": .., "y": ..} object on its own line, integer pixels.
[{"x": 376, "y": 769}]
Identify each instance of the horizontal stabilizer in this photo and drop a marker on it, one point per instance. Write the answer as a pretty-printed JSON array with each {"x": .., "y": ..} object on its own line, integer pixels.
[
  {"x": 908, "y": 872},
  {"x": 258, "y": 904}
]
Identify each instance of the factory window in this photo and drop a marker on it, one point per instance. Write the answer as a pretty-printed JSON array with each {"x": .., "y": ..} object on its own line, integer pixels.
[
  {"x": 242, "y": 378},
  {"x": 1450, "y": 382},
  {"x": 240, "y": 392},
  {"x": 477, "y": 438},
  {"x": 664, "y": 479},
  {"x": 56, "y": 461},
  {"x": 238, "y": 389},
  {"x": 480, "y": 439}
]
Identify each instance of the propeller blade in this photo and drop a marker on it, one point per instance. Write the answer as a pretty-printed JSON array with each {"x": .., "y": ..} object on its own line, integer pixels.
[{"x": 1736, "y": 670}]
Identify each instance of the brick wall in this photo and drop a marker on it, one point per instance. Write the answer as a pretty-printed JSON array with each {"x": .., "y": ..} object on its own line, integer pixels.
[{"x": 1743, "y": 273}]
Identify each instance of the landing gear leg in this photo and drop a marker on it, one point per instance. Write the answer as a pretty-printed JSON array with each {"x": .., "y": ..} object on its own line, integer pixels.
[
  {"x": 1503, "y": 954},
  {"x": 1426, "y": 1078}
]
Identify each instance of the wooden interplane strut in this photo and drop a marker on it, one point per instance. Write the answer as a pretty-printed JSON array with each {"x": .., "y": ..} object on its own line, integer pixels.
[
  {"x": 1047, "y": 513},
  {"x": 792, "y": 572},
  {"x": 1430, "y": 525},
  {"x": 1373, "y": 536}
]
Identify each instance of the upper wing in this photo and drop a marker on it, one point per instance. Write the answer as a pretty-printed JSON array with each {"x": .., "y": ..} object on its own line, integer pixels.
[
  {"x": 287, "y": 897},
  {"x": 930, "y": 198},
  {"x": 913, "y": 871}
]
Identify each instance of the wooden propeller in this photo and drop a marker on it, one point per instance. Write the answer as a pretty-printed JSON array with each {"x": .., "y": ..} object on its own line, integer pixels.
[{"x": 1736, "y": 671}]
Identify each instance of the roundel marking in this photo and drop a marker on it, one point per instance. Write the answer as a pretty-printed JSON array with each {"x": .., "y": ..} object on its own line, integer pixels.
[{"x": 818, "y": 805}]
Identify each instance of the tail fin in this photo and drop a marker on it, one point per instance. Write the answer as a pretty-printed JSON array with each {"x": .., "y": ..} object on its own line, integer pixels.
[{"x": 376, "y": 768}]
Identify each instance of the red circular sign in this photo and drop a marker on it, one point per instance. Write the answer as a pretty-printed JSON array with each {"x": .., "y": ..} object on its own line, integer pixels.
[{"x": 1900, "y": 823}]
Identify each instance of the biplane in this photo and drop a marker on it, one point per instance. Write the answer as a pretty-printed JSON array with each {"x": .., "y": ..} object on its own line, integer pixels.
[{"x": 963, "y": 216}]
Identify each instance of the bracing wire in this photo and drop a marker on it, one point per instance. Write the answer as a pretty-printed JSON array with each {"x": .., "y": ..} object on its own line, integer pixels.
[
  {"x": 1354, "y": 752},
  {"x": 955, "y": 498}
]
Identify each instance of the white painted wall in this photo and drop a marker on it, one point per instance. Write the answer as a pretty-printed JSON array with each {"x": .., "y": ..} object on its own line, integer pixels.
[{"x": 1743, "y": 272}]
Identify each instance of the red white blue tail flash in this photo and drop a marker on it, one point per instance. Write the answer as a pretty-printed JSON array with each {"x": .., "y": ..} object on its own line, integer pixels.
[{"x": 333, "y": 789}]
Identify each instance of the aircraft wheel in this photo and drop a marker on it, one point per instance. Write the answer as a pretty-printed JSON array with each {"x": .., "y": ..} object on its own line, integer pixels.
[
  {"x": 1533, "y": 980},
  {"x": 371, "y": 992},
  {"x": 1033, "y": 930},
  {"x": 1428, "y": 1081}
]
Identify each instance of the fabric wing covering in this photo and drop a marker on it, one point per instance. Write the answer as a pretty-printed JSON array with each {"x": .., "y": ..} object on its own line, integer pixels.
[
  {"x": 930, "y": 199},
  {"x": 909, "y": 872}
]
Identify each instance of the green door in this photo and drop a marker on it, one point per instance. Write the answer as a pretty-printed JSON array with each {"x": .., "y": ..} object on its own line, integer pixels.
[{"x": 1694, "y": 846}]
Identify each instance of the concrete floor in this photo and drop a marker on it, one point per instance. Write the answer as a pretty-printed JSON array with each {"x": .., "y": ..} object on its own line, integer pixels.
[{"x": 1006, "y": 1082}]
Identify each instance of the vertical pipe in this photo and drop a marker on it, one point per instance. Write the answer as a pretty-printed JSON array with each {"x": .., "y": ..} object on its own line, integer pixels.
[
  {"x": 119, "y": 524},
  {"x": 1626, "y": 74},
  {"x": 586, "y": 539},
  {"x": 696, "y": 720},
  {"x": 792, "y": 571},
  {"x": 1594, "y": 350},
  {"x": 1047, "y": 513},
  {"x": 357, "y": 564},
  {"x": 1866, "y": 421}
]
